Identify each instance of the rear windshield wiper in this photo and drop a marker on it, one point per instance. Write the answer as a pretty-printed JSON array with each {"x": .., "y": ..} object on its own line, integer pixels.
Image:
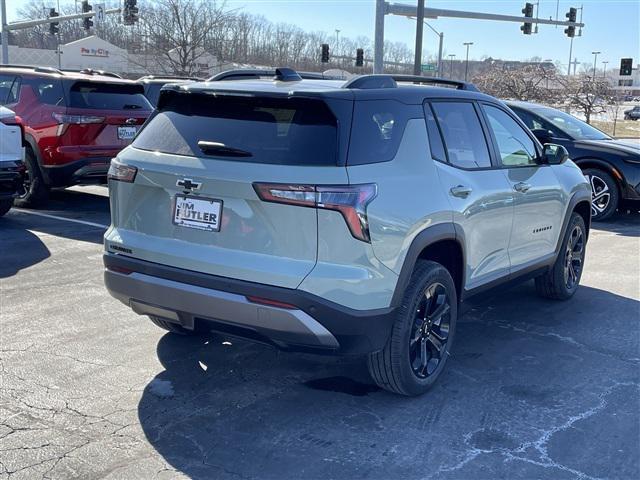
[{"x": 217, "y": 148}]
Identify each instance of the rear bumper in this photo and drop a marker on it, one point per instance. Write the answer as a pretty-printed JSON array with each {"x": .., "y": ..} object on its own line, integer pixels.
[
  {"x": 201, "y": 301},
  {"x": 86, "y": 171},
  {"x": 11, "y": 178}
]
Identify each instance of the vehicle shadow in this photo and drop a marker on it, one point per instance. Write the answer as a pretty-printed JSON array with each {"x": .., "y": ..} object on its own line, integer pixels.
[
  {"x": 84, "y": 206},
  {"x": 224, "y": 408},
  {"x": 19, "y": 248},
  {"x": 625, "y": 223}
]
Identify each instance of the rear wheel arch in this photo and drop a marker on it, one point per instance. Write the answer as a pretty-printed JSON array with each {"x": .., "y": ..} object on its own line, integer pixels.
[
  {"x": 440, "y": 244},
  {"x": 583, "y": 209}
]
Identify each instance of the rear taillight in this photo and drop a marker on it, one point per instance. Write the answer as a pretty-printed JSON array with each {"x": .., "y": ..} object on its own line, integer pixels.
[
  {"x": 77, "y": 119},
  {"x": 121, "y": 172},
  {"x": 15, "y": 121},
  {"x": 350, "y": 200},
  {"x": 65, "y": 120}
]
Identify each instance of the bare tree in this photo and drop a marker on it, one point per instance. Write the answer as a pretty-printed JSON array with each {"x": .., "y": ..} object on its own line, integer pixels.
[
  {"x": 530, "y": 82},
  {"x": 588, "y": 95}
]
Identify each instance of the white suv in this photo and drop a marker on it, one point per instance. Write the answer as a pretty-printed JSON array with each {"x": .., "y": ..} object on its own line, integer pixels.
[
  {"x": 349, "y": 217},
  {"x": 11, "y": 158}
]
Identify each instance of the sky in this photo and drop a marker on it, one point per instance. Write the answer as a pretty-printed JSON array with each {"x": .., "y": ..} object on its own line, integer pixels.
[{"x": 612, "y": 26}]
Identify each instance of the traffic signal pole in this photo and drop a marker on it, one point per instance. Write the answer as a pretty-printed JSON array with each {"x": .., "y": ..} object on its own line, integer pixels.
[
  {"x": 417, "y": 63},
  {"x": 384, "y": 8},
  {"x": 7, "y": 27}
]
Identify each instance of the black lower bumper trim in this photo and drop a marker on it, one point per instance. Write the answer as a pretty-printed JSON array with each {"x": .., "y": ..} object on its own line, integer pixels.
[
  {"x": 358, "y": 331},
  {"x": 86, "y": 171}
]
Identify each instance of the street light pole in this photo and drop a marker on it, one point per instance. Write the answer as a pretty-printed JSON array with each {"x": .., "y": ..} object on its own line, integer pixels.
[
  {"x": 5, "y": 32},
  {"x": 417, "y": 63},
  {"x": 466, "y": 63},
  {"x": 595, "y": 58},
  {"x": 451, "y": 57},
  {"x": 604, "y": 69}
]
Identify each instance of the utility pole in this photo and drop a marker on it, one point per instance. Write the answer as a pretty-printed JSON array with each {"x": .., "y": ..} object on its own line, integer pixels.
[
  {"x": 5, "y": 32},
  {"x": 417, "y": 63},
  {"x": 595, "y": 58},
  {"x": 466, "y": 63},
  {"x": 451, "y": 57}
]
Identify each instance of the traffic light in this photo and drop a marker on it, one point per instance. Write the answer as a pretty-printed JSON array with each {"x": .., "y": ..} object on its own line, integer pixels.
[
  {"x": 87, "y": 22},
  {"x": 54, "y": 27},
  {"x": 571, "y": 16},
  {"x": 130, "y": 12},
  {"x": 528, "y": 13},
  {"x": 325, "y": 53},
  {"x": 359, "y": 57},
  {"x": 626, "y": 66}
]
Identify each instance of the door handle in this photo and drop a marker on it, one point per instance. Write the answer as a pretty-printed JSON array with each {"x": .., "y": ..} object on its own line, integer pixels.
[
  {"x": 522, "y": 187},
  {"x": 460, "y": 191}
]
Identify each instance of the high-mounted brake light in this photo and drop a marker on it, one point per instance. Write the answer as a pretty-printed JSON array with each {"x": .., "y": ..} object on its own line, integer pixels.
[
  {"x": 350, "y": 200},
  {"x": 121, "y": 172}
]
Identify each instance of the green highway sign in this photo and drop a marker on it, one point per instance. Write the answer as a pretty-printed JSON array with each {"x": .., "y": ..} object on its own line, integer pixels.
[{"x": 428, "y": 67}]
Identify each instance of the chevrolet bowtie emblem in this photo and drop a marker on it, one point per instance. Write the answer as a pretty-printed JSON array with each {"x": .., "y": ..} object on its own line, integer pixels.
[{"x": 188, "y": 184}]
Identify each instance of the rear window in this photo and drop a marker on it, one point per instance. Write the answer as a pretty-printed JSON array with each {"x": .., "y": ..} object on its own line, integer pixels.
[
  {"x": 107, "y": 96},
  {"x": 283, "y": 131}
]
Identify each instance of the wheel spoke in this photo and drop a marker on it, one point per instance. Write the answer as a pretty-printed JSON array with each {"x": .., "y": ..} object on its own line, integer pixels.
[
  {"x": 423, "y": 354},
  {"x": 441, "y": 311},
  {"x": 436, "y": 345}
]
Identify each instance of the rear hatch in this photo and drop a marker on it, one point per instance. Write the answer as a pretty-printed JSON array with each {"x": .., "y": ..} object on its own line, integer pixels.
[
  {"x": 201, "y": 161},
  {"x": 101, "y": 118}
]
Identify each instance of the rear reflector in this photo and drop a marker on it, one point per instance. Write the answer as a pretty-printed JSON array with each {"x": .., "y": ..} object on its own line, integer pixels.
[
  {"x": 350, "y": 200},
  {"x": 121, "y": 172},
  {"x": 123, "y": 270},
  {"x": 271, "y": 303}
]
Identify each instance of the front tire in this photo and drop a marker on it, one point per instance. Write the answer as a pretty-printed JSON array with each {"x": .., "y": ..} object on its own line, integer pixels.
[
  {"x": 562, "y": 280},
  {"x": 604, "y": 193},
  {"x": 422, "y": 335}
]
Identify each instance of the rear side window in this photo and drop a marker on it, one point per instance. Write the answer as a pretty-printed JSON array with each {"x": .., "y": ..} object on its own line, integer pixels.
[
  {"x": 282, "y": 131},
  {"x": 107, "y": 96},
  {"x": 463, "y": 136},
  {"x": 47, "y": 90},
  {"x": 435, "y": 140},
  {"x": 376, "y": 131},
  {"x": 9, "y": 88}
]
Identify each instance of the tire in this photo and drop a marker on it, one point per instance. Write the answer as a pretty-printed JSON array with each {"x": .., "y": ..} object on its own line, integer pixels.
[
  {"x": 562, "y": 280},
  {"x": 425, "y": 319},
  {"x": 36, "y": 193},
  {"x": 5, "y": 206},
  {"x": 171, "y": 327},
  {"x": 604, "y": 193}
]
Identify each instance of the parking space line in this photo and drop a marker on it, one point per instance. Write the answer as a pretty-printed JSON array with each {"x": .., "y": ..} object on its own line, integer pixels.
[{"x": 55, "y": 217}]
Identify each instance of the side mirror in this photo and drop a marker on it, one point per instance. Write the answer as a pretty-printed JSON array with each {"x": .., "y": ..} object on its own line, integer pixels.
[
  {"x": 544, "y": 136},
  {"x": 554, "y": 154}
]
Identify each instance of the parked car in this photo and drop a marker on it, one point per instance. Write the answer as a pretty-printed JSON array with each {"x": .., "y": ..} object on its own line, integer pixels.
[
  {"x": 339, "y": 217},
  {"x": 11, "y": 155},
  {"x": 611, "y": 166},
  {"x": 633, "y": 113},
  {"x": 74, "y": 124},
  {"x": 152, "y": 85}
]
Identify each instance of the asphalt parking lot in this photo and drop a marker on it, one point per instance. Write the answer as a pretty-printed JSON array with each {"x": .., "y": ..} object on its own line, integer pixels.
[{"x": 88, "y": 389}]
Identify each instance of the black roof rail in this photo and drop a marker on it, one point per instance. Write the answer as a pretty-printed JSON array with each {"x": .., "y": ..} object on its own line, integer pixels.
[
  {"x": 391, "y": 81},
  {"x": 254, "y": 73},
  {"x": 34, "y": 68},
  {"x": 168, "y": 77}
]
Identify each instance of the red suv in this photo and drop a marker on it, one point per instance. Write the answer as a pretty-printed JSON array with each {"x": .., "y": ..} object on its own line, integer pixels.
[{"x": 74, "y": 123}]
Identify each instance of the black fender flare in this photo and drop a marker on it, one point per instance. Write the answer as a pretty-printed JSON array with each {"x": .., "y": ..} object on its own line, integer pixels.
[
  {"x": 576, "y": 198},
  {"x": 428, "y": 236}
]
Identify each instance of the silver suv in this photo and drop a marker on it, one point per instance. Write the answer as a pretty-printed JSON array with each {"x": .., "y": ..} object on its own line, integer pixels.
[{"x": 349, "y": 217}]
